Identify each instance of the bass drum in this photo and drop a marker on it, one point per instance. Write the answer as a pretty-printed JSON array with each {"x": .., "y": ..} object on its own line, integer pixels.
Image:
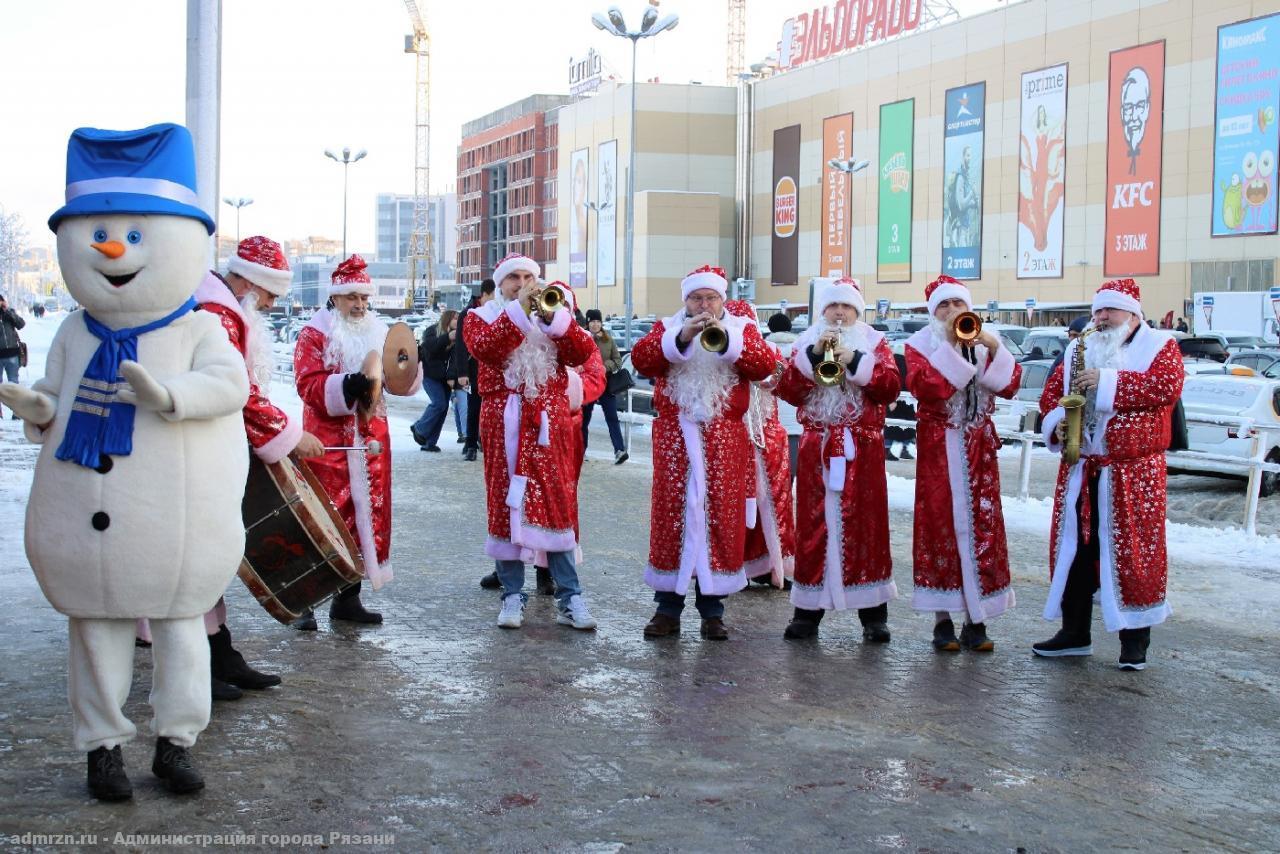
[{"x": 298, "y": 552}]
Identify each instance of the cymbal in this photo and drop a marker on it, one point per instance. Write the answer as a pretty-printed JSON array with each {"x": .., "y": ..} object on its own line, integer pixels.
[{"x": 399, "y": 359}]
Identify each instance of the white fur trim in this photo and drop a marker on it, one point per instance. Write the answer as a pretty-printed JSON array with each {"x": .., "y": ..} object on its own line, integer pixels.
[
  {"x": 953, "y": 367},
  {"x": 519, "y": 316},
  {"x": 736, "y": 329},
  {"x": 268, "y": 278},
  {"x": 949, "y": 290},
  {"x": 341, "y": 288},
  {"x": 573, "y": 389},
  {"x": 335, "y": 403},
  {"x": 511, "y": 265},
  {"x": 358, "y": 475},
  {"x": 1111, "y": 298},
  {"x": 866, "y": 368},
  {"x": 834, "y": 291},
  {"x": 698, "y": 281},
  {"x": 282, "y": 443},
  {"x": 670, "y": 346},
  {"x": 559, "y": 324},
  {"x": 1108, "y": 380},
  {"x": 1050, "y": 424},
  {"x": 998, "y": 372},
  {"x": 768, "y": 515}
]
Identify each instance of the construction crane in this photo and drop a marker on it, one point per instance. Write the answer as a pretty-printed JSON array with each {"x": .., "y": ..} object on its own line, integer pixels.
[
  {"x": 421, "y": 251},
  {"x": 736, "y": 47}
]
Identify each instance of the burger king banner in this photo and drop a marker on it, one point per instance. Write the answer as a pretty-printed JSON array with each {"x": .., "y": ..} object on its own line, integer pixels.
[
  {"x": 893, "y": 226},
  {"x": 786, "y": 206}
]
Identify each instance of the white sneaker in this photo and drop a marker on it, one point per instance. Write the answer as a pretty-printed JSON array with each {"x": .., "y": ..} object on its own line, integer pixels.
[
  {"x": 512, "y": 614},
  {"x": 575, "y": 614}
]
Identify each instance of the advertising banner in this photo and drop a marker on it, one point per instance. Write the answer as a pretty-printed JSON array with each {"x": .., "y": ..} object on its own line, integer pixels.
[
  {"x": 1135, "y": 130},
  {"x": 837, "y": 136},
  {"x": 893, "y": 223},
  {"x": 607, "y": 215},
  {"x": 786, "y": 206},
  {"x": 963, "y": 134},
  {"x": 578, "y": 184},
  {"x": 1246, "y": 137},
  {"x": 1042, "y": 172}
]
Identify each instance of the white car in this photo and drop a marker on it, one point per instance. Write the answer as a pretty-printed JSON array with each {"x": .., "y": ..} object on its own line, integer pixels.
[{"x": 1254, "y": 398}]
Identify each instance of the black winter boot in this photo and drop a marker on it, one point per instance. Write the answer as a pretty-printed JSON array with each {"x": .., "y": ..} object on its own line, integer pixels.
[
  {"x": 173, "y": 764},
  {"x": 944, "y": 636},
  {"x": 1074, "y": 637},
  {"x": 973, "y": 637},
  {"x": 306, "y": 622},
  {"x": 229, "y": 666},
  {"x": 107, "y": 780},
  {"x": 490, "y": 581},
  {"x": 804, "y": 624},
  {"x": 224, "y": 691},
  {"x": 875, "y": 623},
  {"x": 1133, "y": 648},
  {"x": 346, "y": 606}
]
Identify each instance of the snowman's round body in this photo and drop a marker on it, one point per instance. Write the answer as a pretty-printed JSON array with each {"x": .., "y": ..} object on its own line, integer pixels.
[{"x": 158, "y": 532}]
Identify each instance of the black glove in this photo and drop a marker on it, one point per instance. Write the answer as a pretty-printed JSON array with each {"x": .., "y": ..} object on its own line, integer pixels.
[{"x": 356, "y": 387}]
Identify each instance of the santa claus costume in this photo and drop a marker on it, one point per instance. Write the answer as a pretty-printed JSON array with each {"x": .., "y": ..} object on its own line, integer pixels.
[
  {"x": 703, "y": 483},
  {"x": 842, "y": 502},
  {"x": 1109, "y": 507},
  {"x": 960, "y": 557},
  {"x": 769, "y": 551},
  {"x": 330, "y": 351},
  {"x": 526, "y": 431}
]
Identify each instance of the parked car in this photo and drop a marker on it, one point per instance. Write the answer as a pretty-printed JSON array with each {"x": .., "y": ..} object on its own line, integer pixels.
[
  {"x": 1203, "y": 347},
  {"x": 1026, "y": 401},
  {"x": 1234, "y": 341},
  {"x": 1044, "y": 342},
  {"x": 1009, "y": 330},
  {"x": 643, "y": 403},
  {"x": 1255, "y": 398},
  {"x": 1262, "y": 362}
]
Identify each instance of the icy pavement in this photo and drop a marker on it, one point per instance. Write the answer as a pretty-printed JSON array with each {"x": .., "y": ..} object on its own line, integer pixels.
[{"x": 440, "y": 730}]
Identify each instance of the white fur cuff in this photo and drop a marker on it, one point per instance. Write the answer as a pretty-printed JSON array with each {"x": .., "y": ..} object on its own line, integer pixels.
[
  {"x": 335, "y": 403},
  {"x": 671, "y": 347},
  {"x": 515, "y": 311},
  {"x": 999, "y": 371},
  {"x": 947, "y": 360},
  {"x": 866, "y": 368},
  {"x": 559, "y": 324}
]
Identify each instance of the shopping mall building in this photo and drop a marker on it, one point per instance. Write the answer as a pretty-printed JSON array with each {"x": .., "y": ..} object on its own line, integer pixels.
[{"x": 1034, "y": 151}]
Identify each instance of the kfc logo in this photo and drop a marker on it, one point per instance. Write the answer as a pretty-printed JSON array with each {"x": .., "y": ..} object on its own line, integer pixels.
[{"x": 1135, "y": 109}]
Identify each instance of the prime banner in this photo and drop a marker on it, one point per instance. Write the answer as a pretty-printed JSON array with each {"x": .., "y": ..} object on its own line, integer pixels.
[
  {"x": 963, "y": 132},
  {"x": 1042, "y": 172},
  {"x": 893, "y": 226},
  {"x": 578, "y": 183},
  {"x": 607, "y": 215},
  {"x": 1246, "y": 137},
  {"x": 837, "y": 137},
  {"x": 1135, "y": 128},
  {"x": 786, "y": 206}
]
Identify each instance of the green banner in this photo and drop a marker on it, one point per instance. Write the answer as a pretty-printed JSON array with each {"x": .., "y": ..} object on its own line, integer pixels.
[{"x": 893, "y": 224}]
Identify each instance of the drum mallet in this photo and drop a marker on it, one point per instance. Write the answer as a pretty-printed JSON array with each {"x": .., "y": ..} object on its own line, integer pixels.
[{"x": 372, "y": 449}]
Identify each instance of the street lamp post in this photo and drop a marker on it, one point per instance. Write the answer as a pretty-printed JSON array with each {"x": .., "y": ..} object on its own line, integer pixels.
[
  {"x": 613, "y": 24},
  {"x": 346, "y": 160},
  {"x": 850, "y": 168},
  {"x": 597, "y": 209},
  {"x": 237, "y": 203}
]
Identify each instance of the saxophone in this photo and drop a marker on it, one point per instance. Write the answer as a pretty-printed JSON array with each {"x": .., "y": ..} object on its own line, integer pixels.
[{"x": 1073, "y": 403}]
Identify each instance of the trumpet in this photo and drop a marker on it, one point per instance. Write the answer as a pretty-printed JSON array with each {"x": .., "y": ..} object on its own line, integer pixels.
[
  {"x": 829, "y": 372},
  {"x": 547, "y": 300},
  {"x": 713, "y": 338},
  {"x": 967, "y": 326}
]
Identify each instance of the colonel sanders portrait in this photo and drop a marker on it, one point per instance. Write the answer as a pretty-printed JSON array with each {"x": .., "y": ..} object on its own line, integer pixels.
[{"x": 1135, "y": 108}]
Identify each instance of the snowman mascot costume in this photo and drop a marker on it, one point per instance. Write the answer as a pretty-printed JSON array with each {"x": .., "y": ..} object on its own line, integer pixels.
[{"x": 135, "y": 504}]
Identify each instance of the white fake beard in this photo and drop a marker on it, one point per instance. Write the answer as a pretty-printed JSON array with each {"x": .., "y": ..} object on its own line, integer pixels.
[
  {"x": 834, "y": 404},
  {"x": 939, "y": 331},
  {"x": 531, "y": 364},
  {"x": 351, "y": 340},
  {"x": 700, "y": 387},
  {"x": 258, "y": 355},
  {"x": 1102, "y": 347}
]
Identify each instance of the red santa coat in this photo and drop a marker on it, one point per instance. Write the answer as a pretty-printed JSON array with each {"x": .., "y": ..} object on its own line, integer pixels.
[
  {"x": 530, "y": 461},
  {"x": 1126, "y": 450},
  {"x": 960, "y": 556},
  {"x": 770, "y": 545},
  {"x": 703, "y": 488},
  {"x": 272, "y": 433},
  {"x": 358, "y": 484},
  {"x": 586, "y": 385},
  {"x": 842, "y": 502}
]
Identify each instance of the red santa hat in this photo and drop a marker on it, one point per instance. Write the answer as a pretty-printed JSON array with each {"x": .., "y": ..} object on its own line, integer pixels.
[
  {"x": 844, "y": 289},
  {"x": 261, "y": 261},
  {"x": 570, "y": 298},
  {"x": 1119, "y": 293},
  {"x": 741, "y": 308},
  {"x": 705, "y": 276},
  {"x": 350, "y": 278},
  {"x": 514, "y": 262},
  {"x": 944, "y": 288}
]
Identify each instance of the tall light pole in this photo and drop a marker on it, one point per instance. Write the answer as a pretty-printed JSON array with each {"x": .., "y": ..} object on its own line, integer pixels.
[
  {"x": 613, "y": 24},
  {"x": 850, "y": 168},
  {"x": 346, "y": 160},
  {"x": 238, "y": 202},
  {"x": 597, "y": 209}
]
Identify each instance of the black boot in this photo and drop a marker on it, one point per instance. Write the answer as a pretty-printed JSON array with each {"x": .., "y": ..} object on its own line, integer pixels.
[
  {"x": 224, "y": 691},
  {"x": 491, "y": 582},
  {"x": 875, "y": 623},
  {"x": 229, "y": 666},
  {"x": 306, "y": 622},
  {"x": 804, "y": 624},
  {"x": 173, "y": 765},
  {"x": 1133, "y": 648},
  {"x": 1074, "y": 637},
  {"x": 973, "y": 637},
  {"x": 944, "y": 636},
  {"x": 546, "y": 587},
  {"x": 346, "y": 606},
  {"x": 107, "y": 780}
]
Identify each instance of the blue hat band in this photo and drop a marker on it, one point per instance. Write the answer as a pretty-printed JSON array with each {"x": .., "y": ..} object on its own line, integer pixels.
[{"x": 170, "y": 190}]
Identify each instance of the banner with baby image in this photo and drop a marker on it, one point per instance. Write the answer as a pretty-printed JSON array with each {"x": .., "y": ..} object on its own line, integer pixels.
[
  {"x": 1135, "y": 129},
  {"x": 1042, "y": 173}
]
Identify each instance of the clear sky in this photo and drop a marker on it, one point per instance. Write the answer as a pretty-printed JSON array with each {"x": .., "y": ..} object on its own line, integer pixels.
[{"x": 299, "y": 76}]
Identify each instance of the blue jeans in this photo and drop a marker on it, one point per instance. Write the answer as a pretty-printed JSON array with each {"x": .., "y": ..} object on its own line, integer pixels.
[
  {"x": 9, "y": 367},
  {"x": 671, "y": 604},
  {"x": 564, "y": 571},
  {"x": 432, "y": 420},
  {"x": 459, "y": 396},
  {"x": 609, "y": 403}
]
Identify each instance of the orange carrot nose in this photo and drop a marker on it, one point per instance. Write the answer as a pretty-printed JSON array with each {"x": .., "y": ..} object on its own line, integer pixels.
[{"x": 112, "y": 248}]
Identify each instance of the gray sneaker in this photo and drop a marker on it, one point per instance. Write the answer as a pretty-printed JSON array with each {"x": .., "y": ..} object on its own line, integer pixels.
[
  {"x": 574, "y": 613},
  {"x": 512, "y": 614}
]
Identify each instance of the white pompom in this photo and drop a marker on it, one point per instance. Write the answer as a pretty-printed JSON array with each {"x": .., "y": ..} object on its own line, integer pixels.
[{"x": 374, "y": 447}]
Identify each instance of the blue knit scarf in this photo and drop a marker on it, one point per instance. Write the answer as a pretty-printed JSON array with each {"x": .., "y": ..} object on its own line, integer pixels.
[{"x": 100, "y": 424}]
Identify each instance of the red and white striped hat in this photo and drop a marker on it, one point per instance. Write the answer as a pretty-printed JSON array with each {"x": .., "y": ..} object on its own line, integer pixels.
[{"x": 261, "y": 261}]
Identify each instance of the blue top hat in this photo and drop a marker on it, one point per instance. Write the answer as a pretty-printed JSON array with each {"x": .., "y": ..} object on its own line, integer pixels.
[{"x": 148, "y": 171}]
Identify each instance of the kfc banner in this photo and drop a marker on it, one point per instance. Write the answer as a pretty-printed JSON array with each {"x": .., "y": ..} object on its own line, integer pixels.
[
  {"x": 893, "y": 226},
  {"x": 837, "y": 136},
  {"x": 607, "y": 215},
  {"x": 578, "y": 182},
  {"x": 1042, "y": 172},
  {"x": 786, "y": 206},
  {"x": 963, "y": 133},
  {"x": 1135, "y": 129}
]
